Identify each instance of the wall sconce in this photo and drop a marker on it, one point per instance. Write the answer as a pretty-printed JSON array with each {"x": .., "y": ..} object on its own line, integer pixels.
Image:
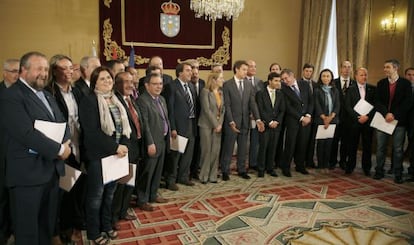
[{"x": 389, "y": 25}]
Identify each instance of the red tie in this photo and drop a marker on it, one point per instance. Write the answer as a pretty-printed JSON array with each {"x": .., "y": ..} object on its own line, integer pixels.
[{"x": 134, "y": 117}]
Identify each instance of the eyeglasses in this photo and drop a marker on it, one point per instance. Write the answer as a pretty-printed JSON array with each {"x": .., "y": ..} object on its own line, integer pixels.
[{"x": 12, "y": 71}]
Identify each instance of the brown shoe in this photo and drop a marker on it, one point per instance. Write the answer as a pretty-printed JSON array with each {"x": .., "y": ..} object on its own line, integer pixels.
[
  {"x": 129, "y": 217},
  {"x": 187, "y": 183},
  {"x": 146, "y": 207},
  {"x": 161, "y": 200},
  {"x": 172, "y": 187}
]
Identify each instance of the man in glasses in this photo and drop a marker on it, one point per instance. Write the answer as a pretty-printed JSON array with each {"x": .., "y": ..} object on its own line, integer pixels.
[{"x": 10, "y": 72}]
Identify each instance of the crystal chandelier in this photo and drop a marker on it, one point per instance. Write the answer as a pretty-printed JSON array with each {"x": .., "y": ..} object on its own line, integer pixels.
[{"x": 217, "y": 9}]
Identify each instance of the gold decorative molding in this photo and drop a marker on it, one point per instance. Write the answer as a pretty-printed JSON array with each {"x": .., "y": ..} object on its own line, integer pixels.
[
  {"x": 221, "y": 55},
  {"x": 107, "y": 3}
]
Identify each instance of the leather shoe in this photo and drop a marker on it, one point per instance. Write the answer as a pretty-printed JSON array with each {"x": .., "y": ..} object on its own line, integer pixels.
[
  {"x": 225, "y": 177},
  {"x": 161, "y": 200},
  {"x": 411, "y": 179},
  {"x": 244, "y": 175},
  {"x": 260, "y": 174},
  {"x": 116, "y": 226},
  {"x": 272, "y": 173},
  {"x": 378, "y": 176},
  {"x": 302, "y": 171},
  {"x": 286, "y": 173},
  {"x": 172, "y": 187},
  {"x": 367, "y": 172},
  {"x": 398, "y": 180},
  {"x": 129, "y": 217},
  {"x": 187, "y": 183},
  {"x": 146, "y": 207}
]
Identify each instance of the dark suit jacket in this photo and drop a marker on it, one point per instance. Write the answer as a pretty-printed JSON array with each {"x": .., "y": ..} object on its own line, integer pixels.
[
  {"x": 320, "y": 103},
  {"x": 268, "y": 112},
  {"x": 238, "y": 108},
  {"x": 351, "y": 99},
  {"x": 342, "y": 111},
  {"x": 166, "y": 79},
  {"x": 201, "y": 84},
  {"x": 97, "y": 144},
  {"x": 152, "y": 118},
  {"x": 297, "y": 107},
  {"x": 82, "y": 86},
  {"x": 136, "y": 148},
  {"x": 401, "y": 103},
  {"x": 32, "y": 158},
  {"x": 178, "y": 108}
]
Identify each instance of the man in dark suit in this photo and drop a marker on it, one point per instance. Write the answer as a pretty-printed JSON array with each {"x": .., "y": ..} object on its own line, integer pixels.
[
  {"x": 240, "y": 102},
  {"x": 342, "y": 83},
  {"x": 271, "y": 106},
  {"x": 307, "y": 73},
  {"x": 393, "y": 101},
  {"x": 87, "y": 65},
  {"x": 181, "y": 100},
  {"x": 156, "y": 140},
  {"x": 298, "y": 119},
  {"x": 155, "y": 61},
  {"x": 34, "y": 161},
  {"x": 198, "y": 86},
  {"x": 10, "y": 75},
  {"x": 124, "y": 88},
  {"x": 258, "y": 85},
  {"x": 409, "y": 75},
  {"x": 360, "y": 124}
]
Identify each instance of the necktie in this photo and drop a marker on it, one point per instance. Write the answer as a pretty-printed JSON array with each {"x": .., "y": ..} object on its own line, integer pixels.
[
  {"x": 164, "y": 120},
  {"x": 135, "y": 94},
  {"x": 241, "y": 88},
  {"x": 42, "y": 97},
  {"x": 345, "y": 87},
  {"x": 362, "y": 91},
  {"x": 296, "y": 90},
  {"x": 273, "y": 97},
  {"x": 135, "y": 118},
  {"x": 189, "y": 101}
]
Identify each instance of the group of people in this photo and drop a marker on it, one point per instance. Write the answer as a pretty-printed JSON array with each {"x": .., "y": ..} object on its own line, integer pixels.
[{"x": 108, "y": 111}]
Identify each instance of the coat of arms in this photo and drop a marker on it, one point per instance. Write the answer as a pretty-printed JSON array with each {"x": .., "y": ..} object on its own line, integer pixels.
[{"x": 170, "y": 20}]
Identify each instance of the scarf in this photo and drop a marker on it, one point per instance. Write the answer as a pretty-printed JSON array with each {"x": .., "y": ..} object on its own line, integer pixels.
[
  {"x": 107, "y": 124},
  {"x": 328, "y": 98}
]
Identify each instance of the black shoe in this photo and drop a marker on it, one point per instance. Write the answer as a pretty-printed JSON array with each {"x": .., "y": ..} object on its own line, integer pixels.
[
  {"x": 302, "y": 171},
  {"x": 349, "y": 171},
  {"x": 255, "y": 168},
  {"x": 225, "y": 177},
  {"x": 378, "y": 176},
  {"x": 411, "y": 179},
  {"x": 286, "y": 173},
  {"x": 342, "y": 165},
  {"x": 272, "y": 173},
  {"x": 203, "y": 182},
  {"x": 194, "y": 176},
  {"x": 260, "y": 174},
  {"x": 244, "y": 175},
  {"x": 367, "y": 172},
  {"x": 398, "y": 180},
  {"x": 311, "y": 165},
  {"x": 389, "y": 171}
]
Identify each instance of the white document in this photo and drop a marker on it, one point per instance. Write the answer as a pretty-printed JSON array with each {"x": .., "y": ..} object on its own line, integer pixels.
[
  {"x": 71, "y": 176},
  {"x": 323, "y": 133},
  {"x": 114, "y": 168},
  {"x": 131, "y": 181},
  {"x": 52, "y": 130},
  {"x": 253, "y": 123},
  {"x": 178, "y": 144},
  {"x": 379, "y": 123},
  {"x": 363, "y": 107}
]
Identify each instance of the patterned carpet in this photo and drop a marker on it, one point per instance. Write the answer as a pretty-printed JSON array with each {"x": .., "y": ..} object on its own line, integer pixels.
[{"x": 314, "y": 209}]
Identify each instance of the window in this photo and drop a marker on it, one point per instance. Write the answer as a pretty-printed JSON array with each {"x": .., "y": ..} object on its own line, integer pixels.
[{"x": 330, "y": 60}]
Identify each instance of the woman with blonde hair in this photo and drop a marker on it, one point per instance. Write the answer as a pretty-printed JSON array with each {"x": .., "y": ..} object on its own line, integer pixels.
[{"x": 210, "y": 123}]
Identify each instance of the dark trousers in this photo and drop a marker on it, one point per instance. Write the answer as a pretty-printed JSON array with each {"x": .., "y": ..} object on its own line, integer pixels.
[
  {"x": 365, "y": 132},
  {"x": 98, "y": 201},
  {"x": 341, "y": 135},
  {"x": 227, "y": 150},
  {"x": 149, "y": 178},
  {"x": 5, "y": 219},
  {"x": 254, "y": 147},
  {"x": 296, "y": 143},
  {"x": 120, "y": 202},
  {"x": 323, "y": 152},
  {"x": 195, "y": 162},
  {"x": 310, "y": 151},
  {"x": 280, "y": 147},
  {"x": 34, "y": 211},
  {"x": 267, "y": 149}
]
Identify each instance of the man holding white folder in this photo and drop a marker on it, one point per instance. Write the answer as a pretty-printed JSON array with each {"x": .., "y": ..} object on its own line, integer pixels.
[
  {"x": 393, "y": 101},
  {"x": 360, "y": 123},
  {"x": 34, "y": 161}
]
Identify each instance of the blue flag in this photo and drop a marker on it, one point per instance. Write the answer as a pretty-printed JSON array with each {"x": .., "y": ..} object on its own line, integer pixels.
[{"x": 132, "y": 57}]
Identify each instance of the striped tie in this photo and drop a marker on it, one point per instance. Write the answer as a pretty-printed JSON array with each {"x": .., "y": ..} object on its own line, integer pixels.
[{"x": 189, "y": 101}]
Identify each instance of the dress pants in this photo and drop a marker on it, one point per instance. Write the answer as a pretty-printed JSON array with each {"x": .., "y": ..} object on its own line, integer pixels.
[
  {"x": 98, "y": 201},
  {"x": 120, "y": 202},
  {"x": 210, "y": 151},
  {"x": 230, "y": 138},
  {"x": 323, "y": 152},
  {"x": 364, "y": 132},
  {"x": 149, "y": 174},
  {"x": 341, "y": 135},
  {"x": 34, "y": 211},
  {"x": 5, "y": 219},
  {"x": 296, "y": 143},
  {"x": 254, "y": 147},
  {"x": 267, "y": 149}
]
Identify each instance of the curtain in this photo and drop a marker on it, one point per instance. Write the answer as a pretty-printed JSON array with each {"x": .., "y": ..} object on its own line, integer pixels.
[
  {"x": 353, "y": 20},
  {"x": 316, "y": 18},
  {"x": 409, "y": 37}
]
